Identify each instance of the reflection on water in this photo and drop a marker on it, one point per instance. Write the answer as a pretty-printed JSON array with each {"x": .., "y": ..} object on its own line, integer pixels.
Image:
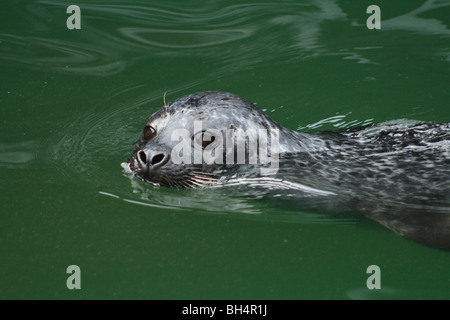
[
  {"x": 232, "y": 37},
  {"x": 191, "y": 200},
  {"x": 221, "y": 201},
  {"x": 17, "y": 155}
]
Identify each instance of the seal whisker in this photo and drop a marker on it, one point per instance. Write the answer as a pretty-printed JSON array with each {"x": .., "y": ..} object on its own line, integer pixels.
[
  {"x": 205, "y": 173},
  {"x": 165, "y": 104},
  {"x": 196, "y": 183},
  {"x": 201, "y": 177}
]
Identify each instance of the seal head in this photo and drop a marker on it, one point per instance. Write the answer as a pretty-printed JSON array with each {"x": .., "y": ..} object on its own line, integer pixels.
[{"x": 193, "y": 141}]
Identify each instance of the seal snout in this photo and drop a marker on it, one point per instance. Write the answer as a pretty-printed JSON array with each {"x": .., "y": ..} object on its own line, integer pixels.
[{"x": 152, "y": 159}]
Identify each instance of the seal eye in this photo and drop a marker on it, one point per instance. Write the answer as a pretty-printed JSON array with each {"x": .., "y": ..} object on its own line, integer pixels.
[
  {"x": 207, "y": 141},
  {"x": 149, "y": 132},
  {"x": 204, "y": 139}
]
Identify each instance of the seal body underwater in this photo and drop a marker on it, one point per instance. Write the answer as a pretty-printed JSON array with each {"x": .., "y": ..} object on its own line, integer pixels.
[{"x": 397, "y": 173}]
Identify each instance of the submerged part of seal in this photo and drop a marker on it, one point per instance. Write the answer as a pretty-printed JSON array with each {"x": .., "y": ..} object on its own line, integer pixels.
[{"x": 396, "y": 173}]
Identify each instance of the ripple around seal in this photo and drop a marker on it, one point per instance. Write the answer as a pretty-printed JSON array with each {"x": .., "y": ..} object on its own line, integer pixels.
[
  {"x": 90, "y": 150},
  {"x": 337, "y": 121},
  {"x": 92, "y": 143}
]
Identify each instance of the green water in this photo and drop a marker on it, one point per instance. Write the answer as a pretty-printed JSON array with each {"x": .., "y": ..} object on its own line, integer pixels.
[{"x": 74, "y": 101}]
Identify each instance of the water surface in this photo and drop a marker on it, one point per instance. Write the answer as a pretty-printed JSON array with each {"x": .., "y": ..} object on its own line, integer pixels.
[{"x": 74, "y": 101}]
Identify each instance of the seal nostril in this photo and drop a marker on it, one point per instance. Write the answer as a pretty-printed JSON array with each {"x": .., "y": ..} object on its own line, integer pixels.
[
  {"x": 157, "y": 159},
  {"x": 142, "y": 156}
]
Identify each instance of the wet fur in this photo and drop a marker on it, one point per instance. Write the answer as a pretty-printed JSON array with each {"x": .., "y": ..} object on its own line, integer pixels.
[{"x": 396, "y": 173}]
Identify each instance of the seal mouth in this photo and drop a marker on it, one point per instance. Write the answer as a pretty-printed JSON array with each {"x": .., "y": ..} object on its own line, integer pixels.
[
  {"x": 177, "y": 177},
  {"x": 137, "y": 167}
]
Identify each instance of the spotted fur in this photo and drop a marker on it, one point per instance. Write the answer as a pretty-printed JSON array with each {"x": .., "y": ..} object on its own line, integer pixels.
[{"x": 397, "y": 173}]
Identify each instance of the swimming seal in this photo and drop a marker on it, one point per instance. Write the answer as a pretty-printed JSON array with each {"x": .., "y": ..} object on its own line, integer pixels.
[{"x": 396, "y": 173}]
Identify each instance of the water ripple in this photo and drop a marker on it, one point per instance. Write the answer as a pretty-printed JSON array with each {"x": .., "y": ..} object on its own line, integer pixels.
[
  {"x": 18, "y": 155},
  {"x": 89, "y": 151},
  {"x": 182, "y": 39},
  {"x": 336, "y": 121},
  {"x": 116, "y": 35}
]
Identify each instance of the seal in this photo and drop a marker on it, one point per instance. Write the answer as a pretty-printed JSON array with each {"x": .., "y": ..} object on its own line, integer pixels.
[{"x": 396, "y": 173}]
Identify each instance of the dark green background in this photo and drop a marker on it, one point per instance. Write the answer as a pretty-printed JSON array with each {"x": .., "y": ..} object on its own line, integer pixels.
[{"x": 73, "y": 102}]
